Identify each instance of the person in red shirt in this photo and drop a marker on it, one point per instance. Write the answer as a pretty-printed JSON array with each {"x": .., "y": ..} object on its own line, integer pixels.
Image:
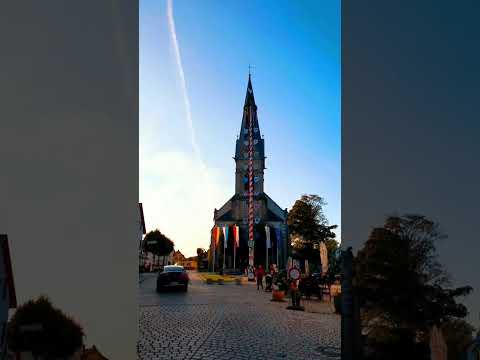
[{"x": 259, "y": 274}]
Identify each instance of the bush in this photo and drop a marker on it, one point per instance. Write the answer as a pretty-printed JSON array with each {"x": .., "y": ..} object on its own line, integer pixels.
[
  {"x": 60, "y": 335},
  {"x": 281, "y": 281}
]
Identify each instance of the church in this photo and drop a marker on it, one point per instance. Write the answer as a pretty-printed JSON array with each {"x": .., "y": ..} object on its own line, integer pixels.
[{"x": 255, "y": 235}]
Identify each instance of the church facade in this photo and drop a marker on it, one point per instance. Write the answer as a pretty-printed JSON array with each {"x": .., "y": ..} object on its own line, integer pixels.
[{"x": 269, "y": 219}]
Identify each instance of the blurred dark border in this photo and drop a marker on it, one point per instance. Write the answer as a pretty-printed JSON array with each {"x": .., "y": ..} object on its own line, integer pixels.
[
  {"x": 410, "y": 128},
  {"x": 69, "y": 160}
]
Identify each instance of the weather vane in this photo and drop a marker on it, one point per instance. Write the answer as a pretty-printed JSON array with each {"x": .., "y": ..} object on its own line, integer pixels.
[{"x": 249, "y": 69}]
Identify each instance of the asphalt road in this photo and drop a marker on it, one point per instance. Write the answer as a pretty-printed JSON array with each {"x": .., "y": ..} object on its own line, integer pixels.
[{"x": 230, "y": 322}]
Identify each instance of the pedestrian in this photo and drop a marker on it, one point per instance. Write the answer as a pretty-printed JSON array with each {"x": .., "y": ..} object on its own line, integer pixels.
[{"x": 259, "y": 274}]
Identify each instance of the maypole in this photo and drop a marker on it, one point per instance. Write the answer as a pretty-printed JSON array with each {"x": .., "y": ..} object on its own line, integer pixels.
[{"x": 251, "y": 243}]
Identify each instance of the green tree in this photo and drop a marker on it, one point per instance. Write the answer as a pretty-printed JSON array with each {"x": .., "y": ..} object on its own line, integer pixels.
[
  {"x": 158, "y": 244},
  {"x": 402, "y": 287},
  {"x": 308, "y": 226},
  {"x": 59, "y": 337}
]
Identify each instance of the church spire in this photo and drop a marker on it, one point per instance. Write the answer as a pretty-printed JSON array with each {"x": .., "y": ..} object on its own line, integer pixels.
[{"x": 249, "y": 98}]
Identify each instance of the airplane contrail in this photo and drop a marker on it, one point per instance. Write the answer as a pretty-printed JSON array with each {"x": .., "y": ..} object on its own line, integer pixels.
[
  {"x": 183, "y": 85},
  {"x": 178, "y": 59}
]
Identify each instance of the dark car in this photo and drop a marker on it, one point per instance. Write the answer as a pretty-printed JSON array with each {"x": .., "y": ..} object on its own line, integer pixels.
[{"x": 172, "y": 276}]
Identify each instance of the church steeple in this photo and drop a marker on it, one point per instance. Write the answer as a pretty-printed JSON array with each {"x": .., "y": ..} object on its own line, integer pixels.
[
  {"x": 249, "y": 98},
  {"x": 241, "y": 149}
]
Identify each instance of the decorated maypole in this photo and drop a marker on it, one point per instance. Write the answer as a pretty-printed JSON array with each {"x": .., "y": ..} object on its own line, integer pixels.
[{"x": 251, "y": 243}]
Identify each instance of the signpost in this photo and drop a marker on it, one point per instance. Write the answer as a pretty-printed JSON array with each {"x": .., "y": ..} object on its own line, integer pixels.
[{"x": 294, "y": 274}]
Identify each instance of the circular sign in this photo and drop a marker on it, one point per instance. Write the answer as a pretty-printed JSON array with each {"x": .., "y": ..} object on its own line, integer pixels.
[
  {"x": 250, "y": 243},
  {"x": 294, "y": 274},
  {"x": 251, "y": 274}
]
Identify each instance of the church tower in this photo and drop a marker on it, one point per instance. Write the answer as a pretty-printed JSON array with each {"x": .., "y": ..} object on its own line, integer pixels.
[
  {"x": 263, "y": 230},
  {"x": 241, "y": 149}
]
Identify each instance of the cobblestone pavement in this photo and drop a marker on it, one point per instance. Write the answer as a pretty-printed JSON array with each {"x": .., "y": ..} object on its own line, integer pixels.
[{"x": 230, "y": 322}]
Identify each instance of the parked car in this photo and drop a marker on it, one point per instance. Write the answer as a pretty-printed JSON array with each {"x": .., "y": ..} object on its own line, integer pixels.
[{"x": 172, "y": 276}]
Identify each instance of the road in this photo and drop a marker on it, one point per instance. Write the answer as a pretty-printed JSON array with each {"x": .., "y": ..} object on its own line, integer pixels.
[{"x": 231, "y": 322}]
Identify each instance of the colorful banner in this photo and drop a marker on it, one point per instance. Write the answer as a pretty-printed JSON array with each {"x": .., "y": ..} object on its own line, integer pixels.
[
  {"x": 225, "y": 235},
  {"x": 236, "y": 235},
  {"x": 267, "y": 232},
  {"x": 217, "y": 235},
  {"x": 324, "y": 257},
  {"x": 278, "y": 234}
]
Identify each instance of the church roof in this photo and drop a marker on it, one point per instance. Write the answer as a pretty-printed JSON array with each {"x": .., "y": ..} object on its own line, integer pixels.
[
  {"x": 249, "y": 98},
  {"x": 241, "y": 147}
]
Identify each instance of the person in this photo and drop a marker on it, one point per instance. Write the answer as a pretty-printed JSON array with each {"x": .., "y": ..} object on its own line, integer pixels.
[{"x": 259, "y": 274}]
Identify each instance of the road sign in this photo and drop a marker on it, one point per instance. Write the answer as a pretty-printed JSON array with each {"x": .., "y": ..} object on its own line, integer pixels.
[
  {"x": 251, "y": 274},
  {"x": 251, "y": 243},
  {"x": 294, "y": 274}
]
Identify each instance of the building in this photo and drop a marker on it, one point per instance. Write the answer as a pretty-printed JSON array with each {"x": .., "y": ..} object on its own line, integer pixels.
[
  {"x": 8, "y": 298},
  {"x": 265, "y": 211},
  {"x": 178, "y": 257},
  {"x": 142, "y": 257},
  {"x": 92, "y": 354}
]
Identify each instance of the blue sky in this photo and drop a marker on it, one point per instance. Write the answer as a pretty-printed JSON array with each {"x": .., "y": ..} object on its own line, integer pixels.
[{"x": 186, "y": 165}]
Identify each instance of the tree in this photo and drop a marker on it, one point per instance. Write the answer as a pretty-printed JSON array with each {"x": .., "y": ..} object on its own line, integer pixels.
[
  {"x": 60, "y": 336},
  {"x": 201, "y": 254},
  {"x": 158, "y": 244},
  {"x": 402, "y": 287},
  {"x": 309, "y": 226}
]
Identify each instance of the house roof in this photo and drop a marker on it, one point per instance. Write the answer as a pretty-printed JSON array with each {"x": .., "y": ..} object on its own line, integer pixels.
[
  {"x": 7, "y": 263},
  {"x": 142, "y": 218},
  {"x": 92, "y": 354}
]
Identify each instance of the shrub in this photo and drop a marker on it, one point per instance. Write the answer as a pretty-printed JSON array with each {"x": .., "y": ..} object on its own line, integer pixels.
[{"x": 60, "y": 336}]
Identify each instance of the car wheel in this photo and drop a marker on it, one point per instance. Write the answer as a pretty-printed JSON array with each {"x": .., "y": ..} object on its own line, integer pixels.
[{"x": 185, "y": 287}]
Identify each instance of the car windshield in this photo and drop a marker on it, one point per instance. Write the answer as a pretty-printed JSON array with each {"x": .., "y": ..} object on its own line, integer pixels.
[{"x": 173, "y": 269}]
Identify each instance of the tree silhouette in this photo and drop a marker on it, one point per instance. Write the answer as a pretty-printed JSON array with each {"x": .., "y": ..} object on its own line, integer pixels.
[
  {"x": 308, "y": 226},
  {"x": 158, "y": 244},
  {"x": 402, "y": 287},
  {"x": 59, "y": 337}
]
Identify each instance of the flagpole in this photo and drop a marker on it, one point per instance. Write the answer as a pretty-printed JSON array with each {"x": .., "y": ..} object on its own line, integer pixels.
[
  {"x": 277, "y": 255},
  {"x": 224, "y": 243},
  {"x": 266, "y": 247}
]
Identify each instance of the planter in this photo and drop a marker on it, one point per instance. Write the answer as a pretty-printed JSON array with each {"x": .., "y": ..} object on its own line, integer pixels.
[{"x": 278, "y": 295}]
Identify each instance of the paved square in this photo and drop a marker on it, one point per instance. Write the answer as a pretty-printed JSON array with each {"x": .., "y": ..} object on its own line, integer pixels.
[{"x": 231, "y": 322}]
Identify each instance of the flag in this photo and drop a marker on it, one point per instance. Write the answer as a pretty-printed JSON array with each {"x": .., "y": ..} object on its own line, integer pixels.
[
  {"x": 324, "y": 257},
  {"x": 217, "y": 235},
  {"x": 278, "y": 233},
  {"x": 438, "y": 347},
  {"x": 267, "y": 232},
  {"x": 225, "y": 235},
  {"x": 236, "y": 235}
]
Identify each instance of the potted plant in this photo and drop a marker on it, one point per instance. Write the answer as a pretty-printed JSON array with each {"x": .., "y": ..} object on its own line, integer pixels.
[
  {"x": 282, "y": 282},
  {"x": 277, "y": 293}
]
